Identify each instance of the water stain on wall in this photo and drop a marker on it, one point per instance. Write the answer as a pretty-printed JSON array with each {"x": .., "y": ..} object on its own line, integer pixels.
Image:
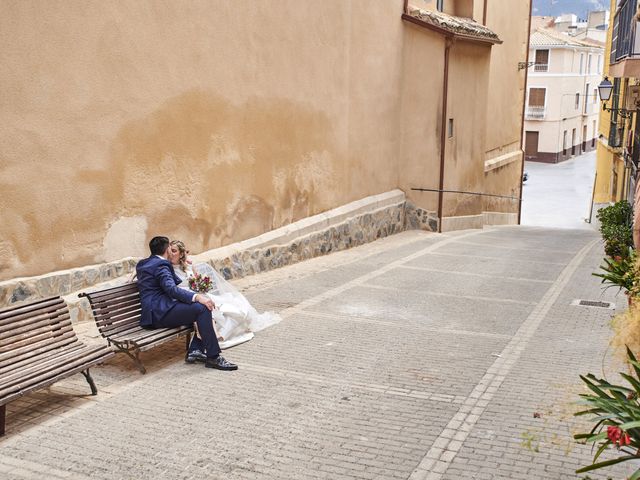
[{"x": 213, "y": 172}]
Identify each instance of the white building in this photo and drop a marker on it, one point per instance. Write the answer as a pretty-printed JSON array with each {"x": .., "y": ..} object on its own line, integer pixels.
[{"x": 562, "y": 99}]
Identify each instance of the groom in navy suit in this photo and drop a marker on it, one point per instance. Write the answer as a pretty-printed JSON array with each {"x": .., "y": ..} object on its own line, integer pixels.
[{"x": 166, "y": 305}]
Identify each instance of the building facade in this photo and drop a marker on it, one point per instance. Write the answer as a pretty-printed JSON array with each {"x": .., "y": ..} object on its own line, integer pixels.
[
  {"x": 562, "y": 102},
  {"x": 215, "y": 122},
  {"x": 619, "y": 141}
]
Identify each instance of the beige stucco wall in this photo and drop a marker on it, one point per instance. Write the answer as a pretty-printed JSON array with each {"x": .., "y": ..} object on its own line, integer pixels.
[
  {"x": 208, "y": 121},
  {"x": 422, "y": 91},
  {"x": 464, "y": 151},
  {"x": 503, "y": 122},
  {"x": 215, "y": 121}
]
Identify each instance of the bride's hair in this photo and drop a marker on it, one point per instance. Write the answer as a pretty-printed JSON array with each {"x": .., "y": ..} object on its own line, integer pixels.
[{"x": 183, "y": 254}]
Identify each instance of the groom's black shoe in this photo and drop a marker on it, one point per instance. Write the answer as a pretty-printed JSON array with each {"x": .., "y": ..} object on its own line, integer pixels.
[
  {"x": 220, "y": 363},
  {"x": 195, "y": 356}
]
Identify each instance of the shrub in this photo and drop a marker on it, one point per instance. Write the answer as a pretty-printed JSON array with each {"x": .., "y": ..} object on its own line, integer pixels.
[{"x": 616, "y": 228}]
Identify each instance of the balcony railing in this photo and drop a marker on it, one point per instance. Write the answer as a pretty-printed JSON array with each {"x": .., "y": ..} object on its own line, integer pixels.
[
  {"x": 624, "y": 43},
  {"x": 541, "y": 67},
  {"x": 536, "y": 113}
]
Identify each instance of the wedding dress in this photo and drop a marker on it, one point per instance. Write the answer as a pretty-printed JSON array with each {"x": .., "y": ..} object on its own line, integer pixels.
[{"x": 235, "y": 319}]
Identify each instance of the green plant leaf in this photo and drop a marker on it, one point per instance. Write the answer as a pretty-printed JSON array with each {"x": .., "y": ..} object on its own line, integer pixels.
[{"x": 606, "y": 463}]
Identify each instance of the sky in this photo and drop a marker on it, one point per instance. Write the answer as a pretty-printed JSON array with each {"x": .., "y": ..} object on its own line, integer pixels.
[{"x": 558, "y": 7}]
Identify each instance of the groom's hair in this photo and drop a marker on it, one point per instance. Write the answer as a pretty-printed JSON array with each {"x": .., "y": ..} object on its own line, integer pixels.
[{"x": 158, "y": 245}]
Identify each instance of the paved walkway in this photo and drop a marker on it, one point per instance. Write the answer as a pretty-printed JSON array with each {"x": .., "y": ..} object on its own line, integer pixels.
[{"x": 420, "y": 356}]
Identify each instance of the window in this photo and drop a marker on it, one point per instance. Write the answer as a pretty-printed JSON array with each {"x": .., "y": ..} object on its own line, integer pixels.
[
  {"x": 577, "y": 101},
  {"x": 440, "y": 5},
  {"x": 586, "y": 98},
  {"x": 599, "y": 64},
  {"x": 595, "y": 95},
  {"x": 542, "y": 61},
  {"x": 581, "y": 62},
  {"x": 450, "y": 128},
  {"x": 537, "y": 97},
  {"x": 589, "y": 64}
]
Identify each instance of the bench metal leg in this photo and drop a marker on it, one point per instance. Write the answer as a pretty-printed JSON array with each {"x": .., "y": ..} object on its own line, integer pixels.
[
  {"x": 3, "y": 413},
  {"x": 87, "y": 375},
  {"x": 135, "y": 356}
]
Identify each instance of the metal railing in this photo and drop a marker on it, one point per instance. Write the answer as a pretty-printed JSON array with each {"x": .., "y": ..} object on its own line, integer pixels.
[
  {"x": 623, "y": 39},
  {"x": 541, "y": 67},
  {"x": 536, "y": 113}
]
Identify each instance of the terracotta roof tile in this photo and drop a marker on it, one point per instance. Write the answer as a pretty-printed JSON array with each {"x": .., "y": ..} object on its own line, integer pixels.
[{"x": 466, "y": 27}]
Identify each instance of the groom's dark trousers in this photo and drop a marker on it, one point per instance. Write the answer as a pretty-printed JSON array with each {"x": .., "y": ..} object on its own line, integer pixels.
[{"x": 164, "y": 304}]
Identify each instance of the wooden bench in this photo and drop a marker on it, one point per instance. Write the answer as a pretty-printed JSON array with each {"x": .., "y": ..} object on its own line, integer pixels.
[
  {"x": 38, "y": 347},
  {"x": 117, "y": 314}
]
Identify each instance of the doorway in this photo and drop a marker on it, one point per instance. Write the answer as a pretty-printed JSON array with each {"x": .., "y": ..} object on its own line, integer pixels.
[
  {"x": 531, "y": 144},
  {"x": 573, "y": 142}
]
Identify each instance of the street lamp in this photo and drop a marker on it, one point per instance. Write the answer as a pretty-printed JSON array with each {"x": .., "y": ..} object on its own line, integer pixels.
[{"x": 604, "y": 90}]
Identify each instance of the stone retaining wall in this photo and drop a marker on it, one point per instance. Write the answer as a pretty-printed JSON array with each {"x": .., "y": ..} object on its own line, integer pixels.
[{"x": 348, "y": 226}]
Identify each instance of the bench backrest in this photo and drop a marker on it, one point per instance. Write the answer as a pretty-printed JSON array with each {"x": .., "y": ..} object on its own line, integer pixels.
[
  {"x": 115, "y": 309},
  {"x": 30, "y": 330}
]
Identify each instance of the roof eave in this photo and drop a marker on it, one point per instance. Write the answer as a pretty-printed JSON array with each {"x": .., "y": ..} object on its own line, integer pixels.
[{"x": 448, "y": 33}]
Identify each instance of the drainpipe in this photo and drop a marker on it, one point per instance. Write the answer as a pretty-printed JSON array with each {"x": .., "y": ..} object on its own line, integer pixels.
[
  {"x": 524, "y": 106},
  {"x": 443, "y": 129}
]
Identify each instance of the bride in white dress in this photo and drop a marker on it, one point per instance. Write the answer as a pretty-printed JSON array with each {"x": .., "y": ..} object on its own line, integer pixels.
[{"x": 235, "y": 320}]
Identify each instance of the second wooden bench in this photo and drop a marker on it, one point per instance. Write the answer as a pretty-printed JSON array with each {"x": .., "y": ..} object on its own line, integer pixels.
[{"x": 117, "y": 314}]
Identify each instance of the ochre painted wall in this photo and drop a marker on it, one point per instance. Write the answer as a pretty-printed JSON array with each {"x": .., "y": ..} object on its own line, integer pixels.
[
  {"x": 210, "y": 121},
  {"x": 214, "y": 121},
  {"x": 503, "y": 124}
]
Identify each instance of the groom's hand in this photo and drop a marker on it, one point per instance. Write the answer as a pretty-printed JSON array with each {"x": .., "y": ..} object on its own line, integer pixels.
[{"x": 206, "y": 301}]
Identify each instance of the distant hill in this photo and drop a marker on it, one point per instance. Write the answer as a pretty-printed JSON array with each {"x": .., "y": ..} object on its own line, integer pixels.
[{"x": 580, "y": 8}]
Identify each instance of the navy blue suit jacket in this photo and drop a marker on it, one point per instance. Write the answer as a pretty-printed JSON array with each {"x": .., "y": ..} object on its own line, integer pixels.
[{"x": 159, "y": 291}]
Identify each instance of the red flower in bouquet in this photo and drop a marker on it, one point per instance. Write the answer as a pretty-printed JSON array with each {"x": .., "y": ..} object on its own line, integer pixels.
[{"x": 200, "y": 283}]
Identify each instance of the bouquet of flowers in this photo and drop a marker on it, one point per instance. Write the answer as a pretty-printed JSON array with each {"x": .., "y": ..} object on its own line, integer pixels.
[{"x": 200, "y": 283}]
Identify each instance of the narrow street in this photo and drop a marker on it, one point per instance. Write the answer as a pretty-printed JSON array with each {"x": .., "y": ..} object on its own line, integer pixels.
[
  {"x": 559, "y": 195},
  {"x": 419, "y": 356}
]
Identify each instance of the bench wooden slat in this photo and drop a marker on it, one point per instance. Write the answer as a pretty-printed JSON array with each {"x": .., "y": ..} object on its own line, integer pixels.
[
  {"x": 55, "y": 360},
  {"x": 117, "y": 309},
  {"x": 43, "y": 342},
  {"x": 19, "y": 311},
  {"x": 23, "y": 327},
  {"x": 39, "y": 328},
  {"x": 47, "y": 310},
  {"x": 113, "y": 292},
  {"x": 153, "y": 336},
  {"x": 35, "y": 356},
  {"x": 123, "y": 326},
  {"x": 82, "y": 364}
]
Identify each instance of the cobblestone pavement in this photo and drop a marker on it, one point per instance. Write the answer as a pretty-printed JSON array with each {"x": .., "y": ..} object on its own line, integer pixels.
[{"x": 420, "y": 356}]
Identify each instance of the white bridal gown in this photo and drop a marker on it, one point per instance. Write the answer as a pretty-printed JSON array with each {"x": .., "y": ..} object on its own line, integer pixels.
[{"x": 235, "y": 319}]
